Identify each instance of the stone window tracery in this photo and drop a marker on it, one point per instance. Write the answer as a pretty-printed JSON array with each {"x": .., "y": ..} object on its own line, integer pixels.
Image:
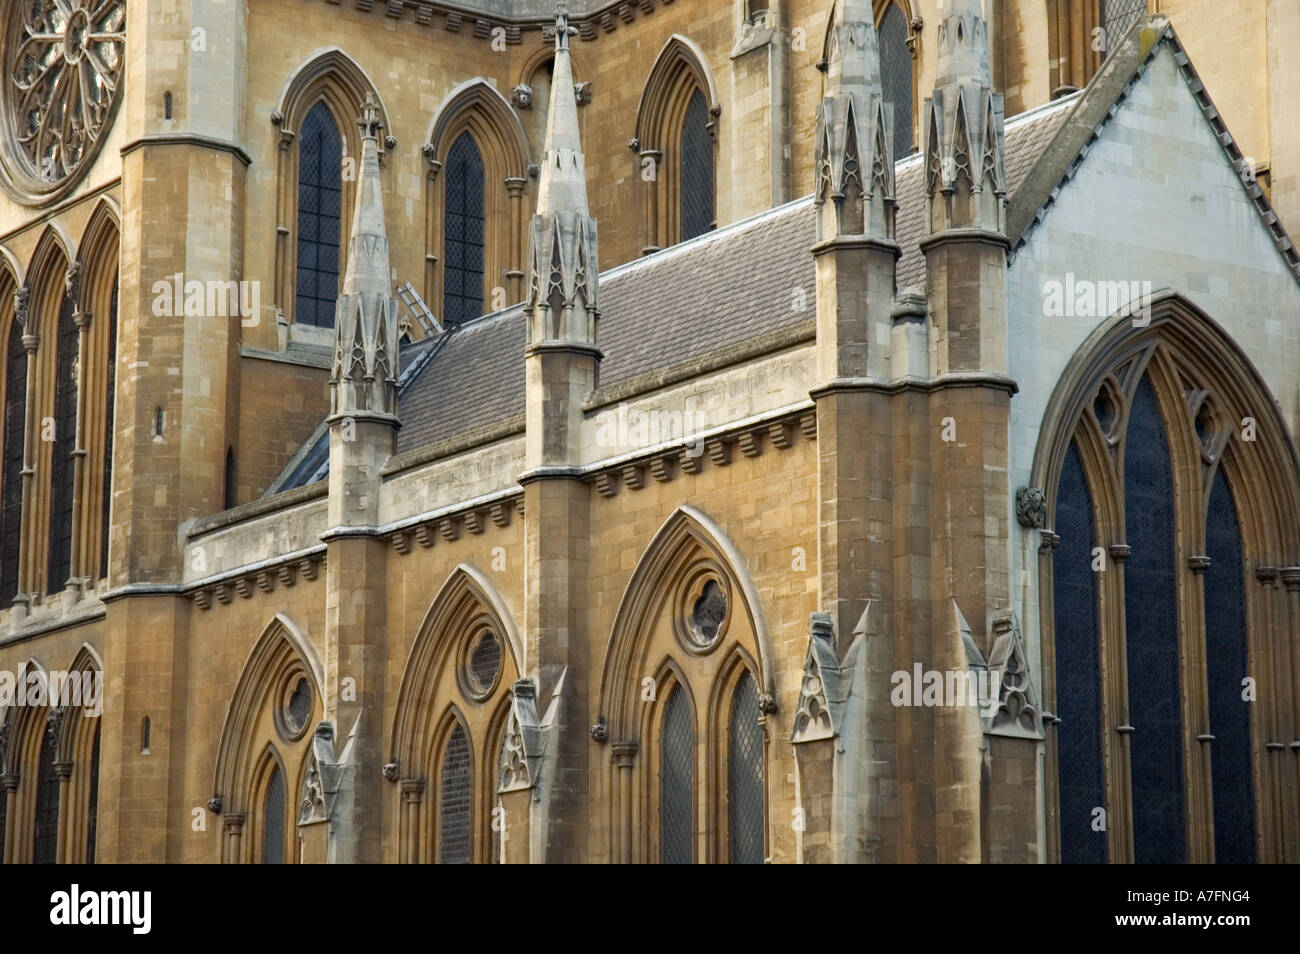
[{"x": 63, "y": 64}]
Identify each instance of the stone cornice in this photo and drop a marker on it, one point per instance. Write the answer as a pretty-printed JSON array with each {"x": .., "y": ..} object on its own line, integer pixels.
[
  {"x": 481, "y": 17},
  {"x": 256, "y": 508},
  {"x": 187, "y": 139}
]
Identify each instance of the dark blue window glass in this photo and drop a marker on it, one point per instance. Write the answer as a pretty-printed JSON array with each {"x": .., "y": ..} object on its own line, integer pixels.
[
  {"x": 1151, "y": 624},
  {"x": 745, "y": 797},
  {"x": 896, "y": 76},
  {"x": 1078, "y": 669},
  {"x": 697, "y": 169},
  {"x": 62, "y": 473},
  {"x": 1225, "y": 652},
  {"x": 320, "y": 196},
  {"x": 463, "y": 224},
  {"x": 677, "y": 782},
  {"x": 11, "y": 495}
]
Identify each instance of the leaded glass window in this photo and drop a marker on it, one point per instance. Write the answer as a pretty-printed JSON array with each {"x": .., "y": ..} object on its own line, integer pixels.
[
  {"x": 677, "y": 781},
  {"x": 11, "y": 494},
  {"x": 1151, "y": 626},
  {"x": 46, "y": 841},
  {"x": 696, "y": 169},
  {"x": 1078, "y": 669},
  {"x": 92, "y": 814},
  {"x": 454, "y": 805},
  {"x": 896, "y": 76},
  {"x": 62, "y": 472},
  {"x": 273, "y": 819},
  {"x": 463, "y": 224},
  {"x": 745, "y": 801},
  {"x": 1225, "y": 652},
  {"x": 320, "y": 198},
  {"x": 110, "y": 396},
  {"x": 1118, "y": 17}
]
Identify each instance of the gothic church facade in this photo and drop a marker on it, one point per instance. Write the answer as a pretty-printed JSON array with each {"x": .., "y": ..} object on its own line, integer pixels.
[{"x": 652, "y": 431}]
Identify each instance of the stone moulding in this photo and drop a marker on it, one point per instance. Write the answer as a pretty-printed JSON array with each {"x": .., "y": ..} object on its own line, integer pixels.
[
  {"x": 663, "y": 465},
  {"x": 263, "y": 578}
]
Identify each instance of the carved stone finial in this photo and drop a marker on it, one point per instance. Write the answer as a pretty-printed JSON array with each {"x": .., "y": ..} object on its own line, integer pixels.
[
  {"x": 21, "y": 296},
  {"x": 369, "y": 121},
  {"x": 1031, "y": 508}
]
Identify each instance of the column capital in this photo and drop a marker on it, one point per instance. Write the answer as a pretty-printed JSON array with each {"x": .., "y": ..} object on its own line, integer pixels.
[
  {"x": 623, "y": 754},
  {"x": 1290, "y": 578},
  {"x": 1267, "y": 575},
  {"x": 515, "y": 186},
  {"x": 63, "y": 770},
  {"x": 1119, "y": 551},
  {"x": 412, "y": 790},
  {"x": 1198, "y": 564},
  {"x": 9, "y": 782},
  {"x": 82, "y": 319},
  {"x": 233, "y": 823}
]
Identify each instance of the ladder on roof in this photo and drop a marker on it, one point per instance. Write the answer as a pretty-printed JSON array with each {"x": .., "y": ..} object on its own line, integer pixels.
[{"x": 416, "y": 306}]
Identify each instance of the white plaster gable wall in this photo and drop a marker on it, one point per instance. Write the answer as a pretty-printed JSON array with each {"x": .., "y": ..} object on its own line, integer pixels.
[{"x": 1156, "y": 200}]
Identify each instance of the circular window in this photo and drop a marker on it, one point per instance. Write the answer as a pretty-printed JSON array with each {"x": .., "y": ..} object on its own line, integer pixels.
[
  {"x": 481, "y": 667},
  {"x": 63, "y": 78},
  {"x": 703, "y": 608},
  {"x": 294, "y": 711}
]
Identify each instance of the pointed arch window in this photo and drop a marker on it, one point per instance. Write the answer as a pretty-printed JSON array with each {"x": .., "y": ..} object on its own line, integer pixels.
[
  {"x": 697, "y": 215},
  {"x": 110, "y": 397},
  {"x": 1225, "y": 635},
  {"x": 1078, "y": 669},
  {"x": 11, "y": 494},
  {"x": 464, "y": 222},
  {"x": 896, "y": 76},
  {"x": 46, "y": 835},
  {"x": 273, "y": 826},
  {"x": 454, "y": 801},
  {"x": 1151, "y": 627},
  {"x": 745, "y": 796},
  {"x": 677, "y": 781},
  {"x": 62, "y": 472},
  {"x": 320, "y": 196},
  {"x": 92, "y": 817}
]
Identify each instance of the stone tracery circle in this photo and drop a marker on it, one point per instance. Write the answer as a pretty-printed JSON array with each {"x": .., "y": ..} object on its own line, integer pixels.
[{"x": 63, "y": 62}]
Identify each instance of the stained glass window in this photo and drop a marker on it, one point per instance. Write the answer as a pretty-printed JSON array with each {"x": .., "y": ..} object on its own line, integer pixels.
[
  {"x": 92, "y": 812},
  {"x": 1078, "y": 669},
  {"x": 677, "y": 781},
  {"x": 745, "y": 808},
  {"x": 110, "y": 397},
  {"x": 62, "y": 473},
  {"x": 454, "y": 802},
  {"x": 11, "y": 495},
  {"x": 1225, "y": 652},
  {"x": 273, "y": 816},
  {"x": 320, "y": 197},
  {"x": 463, "y": 223},
  {"x": 46, "y": 840},
  {"x": 696, "y": 169},
  {"x": 896, "y": 76},
  {"x": 1151, "y": 626}
]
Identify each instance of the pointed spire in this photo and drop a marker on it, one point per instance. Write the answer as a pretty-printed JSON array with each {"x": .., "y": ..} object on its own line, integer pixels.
[
  {"x": 963, "y": 45},
  {"x": 364, "y": 378},
  {"x": 855, "y": 163},
  {"x": 368, "y": 272},
  {"x": 963, "y": 126},
  {"x": 563, "y": 182},
  {"x": 562, "y": 259}
]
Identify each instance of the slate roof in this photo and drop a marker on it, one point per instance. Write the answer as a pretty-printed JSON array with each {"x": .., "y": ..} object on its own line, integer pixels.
[{"x": 714, "y": 292}]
